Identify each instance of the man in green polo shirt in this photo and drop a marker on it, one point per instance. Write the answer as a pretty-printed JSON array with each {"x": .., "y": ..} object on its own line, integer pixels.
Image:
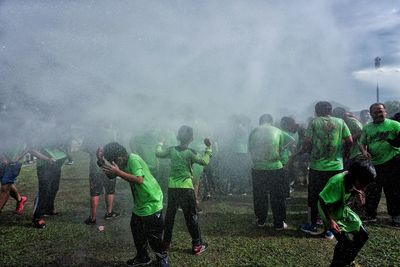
[
  {"x": 266, "y": 144},
  {"x": 324, "y": 137},
  {"x": 376, "y": 144},
  {"x": 337, "y": 215},
  {"x": 146, "y": 221}
]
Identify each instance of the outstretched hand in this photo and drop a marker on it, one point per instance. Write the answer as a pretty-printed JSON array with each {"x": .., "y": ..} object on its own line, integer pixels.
[{"x": 207, "y": 142}]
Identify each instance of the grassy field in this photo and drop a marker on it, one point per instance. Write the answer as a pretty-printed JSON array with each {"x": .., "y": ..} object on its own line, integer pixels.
[{"x": 227, "y": 225}]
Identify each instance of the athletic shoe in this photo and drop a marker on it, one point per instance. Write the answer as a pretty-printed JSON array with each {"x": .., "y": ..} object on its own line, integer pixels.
[
  {"x": 309, "y": 229},
  {"x": 396, "y": 221},
  {"x": 89, "y": 221},
  {"x": 198, "y": 249},
  {"x": 260, "y": 224},
  {"x": 162, "y": 260},
  {"x": 283, "y": 227},
  {"x": 39, "y": 223},
  {"x": 20, "y": 205},
  {"x": 329, "y": 235},
  {"x": 368, "y": 219},
  {"x": 139, "y": 262},
  {"x": 320, "y": 222},
  {"x": 71, "y": 162},
  {"x": 111, "y": 215}
]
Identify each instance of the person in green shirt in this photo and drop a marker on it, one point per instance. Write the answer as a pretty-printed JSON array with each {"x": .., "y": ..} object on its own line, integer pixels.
[
  {"x": 146, "y": 221},
  {"x": 355, "y": 127},
  {"x": 265, "y": 145},
  {"x": 324, "y": 138},
  {"x": 338, "y": 216},
  {"x": 377, "y": 144},
  {"x": 180, "y": 186}
]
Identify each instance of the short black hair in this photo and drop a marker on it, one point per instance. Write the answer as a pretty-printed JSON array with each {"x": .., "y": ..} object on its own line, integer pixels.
[
  {"x": 287, "y": 123},
  {"x": 266, "y": 118},
  {"x": 323, "y": 108},
  {"x": 114, "y": 150},
  {"x": 185, "y": 134},
  {"x": 363, "y": 171},
  {"x": 339, "y": 112},
  {"x": 375, "y": 105}
]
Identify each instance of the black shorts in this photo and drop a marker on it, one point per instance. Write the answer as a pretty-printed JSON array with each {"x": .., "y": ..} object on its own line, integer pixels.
[{"x": 98, "y": 181}]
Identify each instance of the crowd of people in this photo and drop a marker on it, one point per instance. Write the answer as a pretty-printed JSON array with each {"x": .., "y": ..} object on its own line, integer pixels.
[{"x": 344, "y": 161}]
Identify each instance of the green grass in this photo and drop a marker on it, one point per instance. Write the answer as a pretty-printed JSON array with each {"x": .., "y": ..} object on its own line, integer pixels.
[{"x": 227, "y": 225}]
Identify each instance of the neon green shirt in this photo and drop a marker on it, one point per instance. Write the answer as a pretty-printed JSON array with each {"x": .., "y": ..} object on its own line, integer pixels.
[
  {"x": 355, "y": 127},
  {"x": 375, "y": 136},
  {"x": 326, "y": 135},
  {"x": 147, "y": 197},
  {"x": 336, "y": 199},
  {"x": 289, "y": 142},
  {"x": 265, "y": 146},
  {"x": 182, "y": 160}
]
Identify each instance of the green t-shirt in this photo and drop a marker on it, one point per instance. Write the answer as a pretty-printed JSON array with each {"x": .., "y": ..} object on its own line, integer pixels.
[
  {"x": 265, "y": 146},
  {"x": 326, "y": 135},
  {"x": 289, "y": 141},
  {"x": 375, "y": 137},
  {"x": 56, "y": 153},
  {"x": 197, "y": 168},
  {"x": 147, "y": 197},
  {"x": 182, "y": 160},
  {"x": 336, "y": 199},
  {"x": 355, "y": 127}
]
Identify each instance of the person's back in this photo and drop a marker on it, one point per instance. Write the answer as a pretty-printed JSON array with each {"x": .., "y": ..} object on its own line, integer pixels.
[
  {"x": 265, "y": 143},
  {"x": 326, "y": 134}
]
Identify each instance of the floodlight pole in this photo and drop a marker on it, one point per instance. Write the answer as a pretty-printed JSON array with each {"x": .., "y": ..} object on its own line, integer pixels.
[{"x": 377, "y": 66}]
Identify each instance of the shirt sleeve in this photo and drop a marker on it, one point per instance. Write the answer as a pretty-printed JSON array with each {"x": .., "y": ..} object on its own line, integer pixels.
[
  {"x": 160, "y": 153},
  {"x": 202, "y": 159},
  {"x": 135, "y": 167},
  {"x": 345, "y": 131},
  {"x": 332, "y": 193}
]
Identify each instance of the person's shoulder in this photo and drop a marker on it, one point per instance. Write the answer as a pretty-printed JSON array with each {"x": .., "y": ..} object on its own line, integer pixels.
[{"x": 392, "y": 122}]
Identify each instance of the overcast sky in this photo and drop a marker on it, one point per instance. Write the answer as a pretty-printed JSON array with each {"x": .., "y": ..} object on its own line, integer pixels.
[{"x": 162, "y": 58}]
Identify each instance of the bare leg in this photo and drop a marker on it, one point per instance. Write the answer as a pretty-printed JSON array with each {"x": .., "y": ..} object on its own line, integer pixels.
[
  {"x": 94, "y": 203},
  {"x": 109, "y": 202},
  {"x": 14, "y": 193}
]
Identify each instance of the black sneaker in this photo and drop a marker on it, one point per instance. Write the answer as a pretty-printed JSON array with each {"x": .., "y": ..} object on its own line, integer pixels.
[
  {"x": 198, "y": 249},
  {"x": 89, "y": 221},
  {"x": 111, "y": 215},
  {"x": 138, "y": 262}
]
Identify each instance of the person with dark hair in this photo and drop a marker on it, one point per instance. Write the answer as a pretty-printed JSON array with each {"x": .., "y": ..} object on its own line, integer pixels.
[
  {"x": 396, "y": 117},
  {"x": 180, "y": 186},
  {"x": 266, "y": 144},
  {"x": 379, "y": 144},
  {"x": 338, "y": 216},
  {"x": 355, "y": 127},
  {"x": 289, "y": 126},
  {"x": 146, "y": 221},
  {"x": 95, "y": 138},
  {"x": 324, "y": 137},
  {"x": 365, "y": 116}
]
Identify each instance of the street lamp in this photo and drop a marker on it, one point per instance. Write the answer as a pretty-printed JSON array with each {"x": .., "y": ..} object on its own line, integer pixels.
[{"x": 377, "y": 66}]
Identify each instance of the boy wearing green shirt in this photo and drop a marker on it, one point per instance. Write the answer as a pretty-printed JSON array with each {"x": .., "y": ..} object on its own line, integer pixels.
[
  {"x": 377, "y": 145},
  {"x": 180, "y": 186},
  {"x": 146, "y": 221},
  {"x": 324, "y": 138},
  {"x": 337, "y": 215}
]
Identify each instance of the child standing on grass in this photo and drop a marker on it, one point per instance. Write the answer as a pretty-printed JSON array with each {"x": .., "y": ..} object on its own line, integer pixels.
[
  {"x": 180, "y": 186},
  {"x": 146, "y": 221},
  {"x": 337, "y": 215}
]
